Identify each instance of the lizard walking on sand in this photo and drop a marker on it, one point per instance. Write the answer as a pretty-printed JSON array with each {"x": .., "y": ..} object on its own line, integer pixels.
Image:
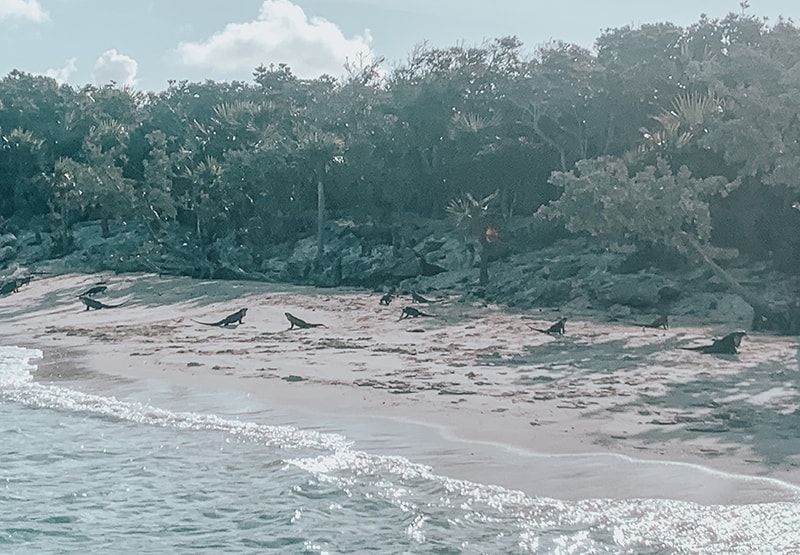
[
  {"x": 13, "y": 285},
  {"x": 300, "y": 323},
  {"x": 557, "y": 328},
  {"x": 94, "y": 290},
  {"x": 417, "y": 298},
  {"x": 235, "y": 318},
  {"x": 725, "y": 346},
  {"x": 662, "y": 322},
  {"x": 411, "y": 312},
  {"x": 97, "y": 305}
]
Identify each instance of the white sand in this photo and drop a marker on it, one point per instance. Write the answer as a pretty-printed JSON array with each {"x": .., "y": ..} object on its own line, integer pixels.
[{"x": 595, "y": 413}]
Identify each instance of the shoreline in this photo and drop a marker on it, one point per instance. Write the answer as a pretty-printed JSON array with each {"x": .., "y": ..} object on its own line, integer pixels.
[{"x": 518, "y": 404}]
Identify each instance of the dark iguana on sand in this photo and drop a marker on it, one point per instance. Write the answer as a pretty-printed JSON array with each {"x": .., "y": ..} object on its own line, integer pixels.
[
  {"x": 94, "y": 290},
  {"x": 300, "y": 323},
  {"x": 9, "y": 287},
  {"x": 13, "y": 285},
  {"x": 23, "y": 281},
  {"x": 97, "y": 305},
  {"x": 386, "y": 299},
  {"x": 235, "y": 318},
  {"x": 417, "y": 298},
  {"x": 728, "y": 345},
  {"x": 411, "y": 312},
  {"x": 557, "y": 328},
  {"x": 662, "y": 322}
]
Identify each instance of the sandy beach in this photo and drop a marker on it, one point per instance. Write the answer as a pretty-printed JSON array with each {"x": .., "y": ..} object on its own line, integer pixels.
[{"x": 592, "y": 413}]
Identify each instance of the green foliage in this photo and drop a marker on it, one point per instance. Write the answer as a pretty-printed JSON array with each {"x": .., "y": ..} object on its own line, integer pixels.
[
  {"x": 601, "y": 197},
  {"x": 471, "y": 214},
  {"x": 154, "y": 199},
  {"x": 637, "y": 132},
  {"x": 67, "y": 199},
  {"x": 684, "y": 122},
  {"x": 20, "y": 159}
]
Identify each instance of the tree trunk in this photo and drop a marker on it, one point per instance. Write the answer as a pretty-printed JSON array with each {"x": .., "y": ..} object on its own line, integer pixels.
[
  {"x": 198, "y": 229},
  {"x": 562, "y": 154},
  {"x": 781, "y": 319},
  {"x": 484, "y": 276},
  {"x": 320, "y": 218}
]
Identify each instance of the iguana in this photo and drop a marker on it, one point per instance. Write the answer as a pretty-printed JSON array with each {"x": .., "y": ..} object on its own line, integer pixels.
[
  {"x": 23, "y": 281},
  {"x": 92, "y": 291},
  {"x": 97, "y": 305},
  {"x": 662, "y": 322},
  {"x": 302, "y": 324},
  {"x": 235, "y": 318},
  {"x": 557, "y": 328},
  {"x": 417, "y": 298},
  {"x": 411, "y": 312},
  {"x": 726, "y": 346},
  {"x": 9, "y": 287},
  {"x": 386, "y": 299}
]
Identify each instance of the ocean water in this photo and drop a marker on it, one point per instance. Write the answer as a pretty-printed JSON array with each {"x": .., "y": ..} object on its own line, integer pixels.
[{"x": 95, "y": 467}]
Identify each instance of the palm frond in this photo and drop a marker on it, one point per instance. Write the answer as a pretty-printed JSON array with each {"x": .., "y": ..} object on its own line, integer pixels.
[
  {"x": 684, "y": 122},
  {"x": 694, "y": 108},
  {"x": 465, "y": 209},
  {"x": 471, "y": 123},
  {"x": 235, "y": 111}
]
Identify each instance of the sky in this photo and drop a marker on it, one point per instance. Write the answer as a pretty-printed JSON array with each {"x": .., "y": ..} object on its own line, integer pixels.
[{"x": 146, "y": 43}]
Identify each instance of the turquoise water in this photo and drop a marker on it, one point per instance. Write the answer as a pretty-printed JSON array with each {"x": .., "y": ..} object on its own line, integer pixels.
[{"x": 98, "y": 467}]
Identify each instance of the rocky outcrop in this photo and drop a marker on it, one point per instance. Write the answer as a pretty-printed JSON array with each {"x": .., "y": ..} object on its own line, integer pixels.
[
  {"x": 641, "y": 290},
  {"x": 374, "y": 256},
  {"x": 571, "y": 275},
  {"x": 8, "y": 247}
]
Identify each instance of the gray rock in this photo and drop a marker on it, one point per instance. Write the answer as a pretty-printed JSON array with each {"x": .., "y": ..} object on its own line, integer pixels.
[
  {"x": 7, "y": 253},
  {"x": 619, "y": 312},
  {"x": 552, "y": 293},
  {"x": 406, "y": 265},
  {"x": 8, "y": 239},
  {"x": 639, "y": 291}
]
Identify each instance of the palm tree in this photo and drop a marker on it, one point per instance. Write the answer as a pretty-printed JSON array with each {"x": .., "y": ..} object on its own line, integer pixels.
[
  {"x": 683, "y": 123},
  {"x": 473, "y": 216},
  {"x": 104, "y": 186},
  {"x": 204, "y": 178},
  {"x": 321, "y": 150}
]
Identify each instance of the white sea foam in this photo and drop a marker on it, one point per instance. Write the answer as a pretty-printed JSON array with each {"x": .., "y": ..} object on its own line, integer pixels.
[
  {"x": 17, "y": 384},
  {"x": 538, "y": 524},
  {"x": 551, "y": 525}
]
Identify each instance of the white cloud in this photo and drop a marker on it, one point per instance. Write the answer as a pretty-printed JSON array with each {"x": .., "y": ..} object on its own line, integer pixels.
[
  {"x": 282, "y": 33},
  {"x": 22, "y": 9},
  {"x": 113, "y": 66},
  {"x": 62, "y": 74}
]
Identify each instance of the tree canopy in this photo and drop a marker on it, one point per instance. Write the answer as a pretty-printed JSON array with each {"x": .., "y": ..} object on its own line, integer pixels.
[{"x": 665, "y": 129}]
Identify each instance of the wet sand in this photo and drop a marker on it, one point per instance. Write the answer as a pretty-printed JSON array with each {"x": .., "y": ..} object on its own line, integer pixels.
[{"x": 607, "y": 410}]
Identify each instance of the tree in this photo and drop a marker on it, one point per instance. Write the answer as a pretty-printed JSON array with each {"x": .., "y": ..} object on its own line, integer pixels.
[
  {"x": 36, "y": 119},
  {"x": 104, "y": 188},
  {"x": 320, "y": 150},
  {"x": 474, "y": 218},
  {"x": 601, "y": 197},
  {"x": 431, "y": 158},
  {"x": 21, "y": 164},
  {"x": 66, "y": 200},
  {"x": 554, "y": 100},
  {"x": 203, "y": 198},
  {"x": 154, "y": 196}
]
